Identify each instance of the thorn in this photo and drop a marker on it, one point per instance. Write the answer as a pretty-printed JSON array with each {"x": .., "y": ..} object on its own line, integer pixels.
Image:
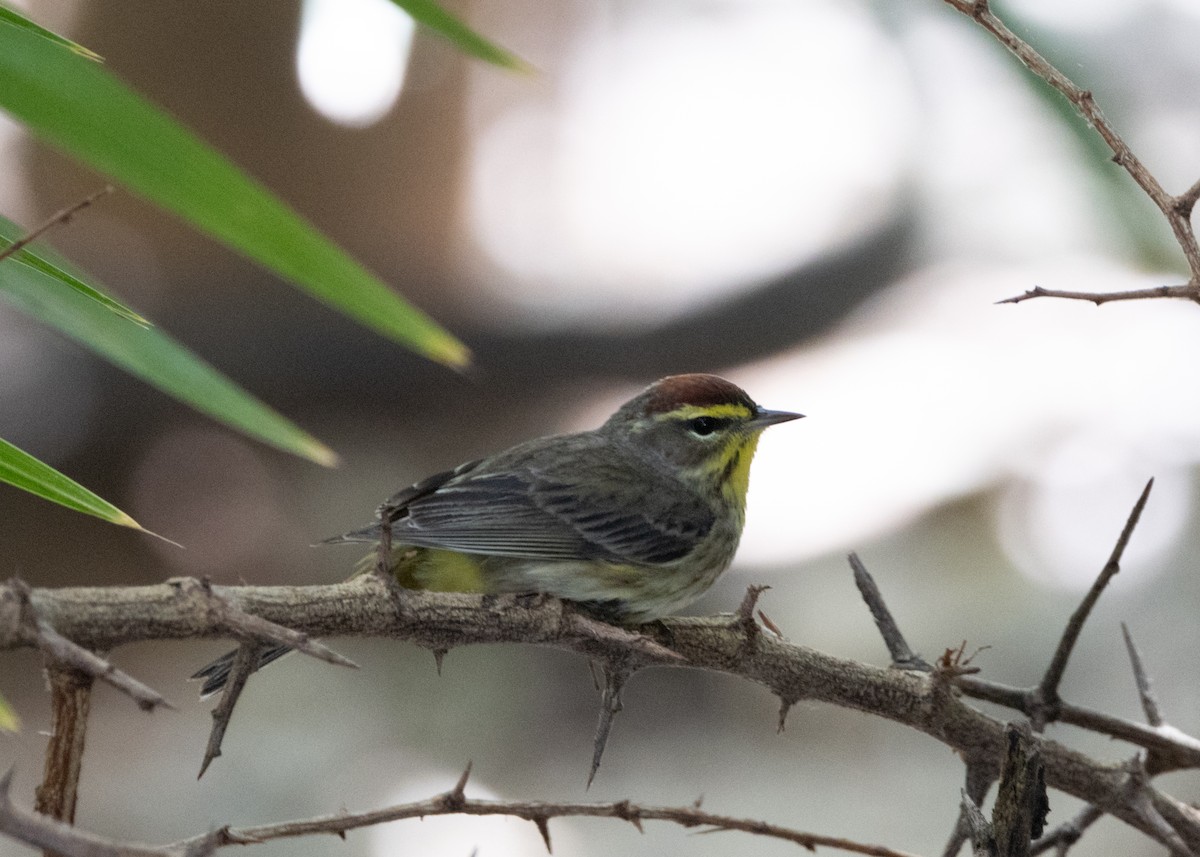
[
  {"x": 628, "y": 812},
  {"x": 461, "y": 786},
  {"x": 745, "y": 611},
  {"x": 610, "y": 704},
  {"x": 5, "y": 784},
  {"x": 769, "y": 625},
  {"x": 744, "y": 619},
  {"x": 231, "y": 836},
  {"x": 438, "y": 656},
  {"x": 244, "y": 663},
  {"x": 208, "y": 760},
  {"x": 316, "y": 649},
  {"x": 785, "y": 705},
  {"x": 1142, "y": 678},
  {"x": 543, "y": 826},
  {"x": 902, "y": 655},
  {"x": 698, "y": 802}
]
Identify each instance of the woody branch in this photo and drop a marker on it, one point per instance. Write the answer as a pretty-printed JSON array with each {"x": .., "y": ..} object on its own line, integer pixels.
[
  {"x": 929, "y": 701},
  {"x": 1177, "y": 209}
]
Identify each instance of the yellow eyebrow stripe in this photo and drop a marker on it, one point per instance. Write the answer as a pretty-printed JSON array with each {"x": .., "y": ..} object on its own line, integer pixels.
[{"x": 687, "y": 412}]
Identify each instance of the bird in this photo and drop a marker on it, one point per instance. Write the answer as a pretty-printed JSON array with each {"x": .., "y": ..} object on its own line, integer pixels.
[{"x": 633, "y": 520}]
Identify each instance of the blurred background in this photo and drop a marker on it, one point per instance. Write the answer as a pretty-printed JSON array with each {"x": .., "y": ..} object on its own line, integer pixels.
[{"x": 820, "y": 200}]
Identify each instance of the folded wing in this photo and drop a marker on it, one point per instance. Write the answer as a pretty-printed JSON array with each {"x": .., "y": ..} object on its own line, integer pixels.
[{"x": 521, "y": 511}]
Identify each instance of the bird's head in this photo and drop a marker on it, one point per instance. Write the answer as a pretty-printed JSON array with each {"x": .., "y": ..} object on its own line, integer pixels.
[{"x": 702, "y": 424}]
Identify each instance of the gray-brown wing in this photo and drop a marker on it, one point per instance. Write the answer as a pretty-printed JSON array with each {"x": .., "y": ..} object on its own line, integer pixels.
[
  {"x": 522, "y": 513},
  {"x": 399, "y": 502}
]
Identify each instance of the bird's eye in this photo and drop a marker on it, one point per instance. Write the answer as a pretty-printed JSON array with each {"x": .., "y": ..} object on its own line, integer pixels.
[{"x": 703, "y": 426}]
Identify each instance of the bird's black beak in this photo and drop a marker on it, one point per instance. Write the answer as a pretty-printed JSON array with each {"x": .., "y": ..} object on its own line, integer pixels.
[{"x": 766, "y": 418}]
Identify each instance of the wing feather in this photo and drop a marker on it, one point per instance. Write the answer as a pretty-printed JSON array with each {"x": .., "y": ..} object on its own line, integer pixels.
[{"x": 516, "y": 508}]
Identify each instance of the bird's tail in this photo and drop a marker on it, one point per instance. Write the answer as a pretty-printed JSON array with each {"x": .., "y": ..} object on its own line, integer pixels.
[{"x": 216, "y": 674}]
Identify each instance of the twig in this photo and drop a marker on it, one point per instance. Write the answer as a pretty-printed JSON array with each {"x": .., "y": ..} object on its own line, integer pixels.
[
  {"x": 70, "y": 702},
  {"x": 39, "y": 831},
  {"x": 59, "y": 650},
  {"x": 1046, "y": 700},
  {"x": 1178, "y": 750},
  {"x": 59, "y": 218},
  {"x": 62, "y": 650},
  {"x": 55, "y": 836},
  {"x": 455, "y": 802},
  {"x": 1189, "y": 292},
  {"x": 1176, "y": 209},
  {"x": 902, "y": 656}
]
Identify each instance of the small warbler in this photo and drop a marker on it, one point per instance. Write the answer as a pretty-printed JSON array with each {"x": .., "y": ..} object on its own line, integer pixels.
[{"x": 635, "y": 519}]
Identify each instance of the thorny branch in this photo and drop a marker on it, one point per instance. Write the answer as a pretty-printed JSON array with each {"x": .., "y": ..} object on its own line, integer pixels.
[
  {"x": 41, "y": 831},
  {"x": 253, "y": 631},
  {"x": 927, "y": 701},
  {"x": 31, "y": 628},
  {"x": 1070, "y": 832},
  {"x": 1176, "y": 209},
  {"x": 1042, "y": 705}
]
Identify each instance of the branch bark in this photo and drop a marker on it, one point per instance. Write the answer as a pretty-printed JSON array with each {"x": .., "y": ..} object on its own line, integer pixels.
[
  {"x": 365, "y": 606},
  {"x": 70, "y": 702}
]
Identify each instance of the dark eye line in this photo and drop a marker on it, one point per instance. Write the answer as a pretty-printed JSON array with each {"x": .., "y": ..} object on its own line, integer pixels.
[{"x": 705, "y": 426}]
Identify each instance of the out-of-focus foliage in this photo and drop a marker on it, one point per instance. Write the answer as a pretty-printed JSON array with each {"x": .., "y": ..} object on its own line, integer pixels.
[
  {"x": 146, "y": 352},
  {"x": 77, "y": 106},
  {"x": 24, "y": 471}
]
